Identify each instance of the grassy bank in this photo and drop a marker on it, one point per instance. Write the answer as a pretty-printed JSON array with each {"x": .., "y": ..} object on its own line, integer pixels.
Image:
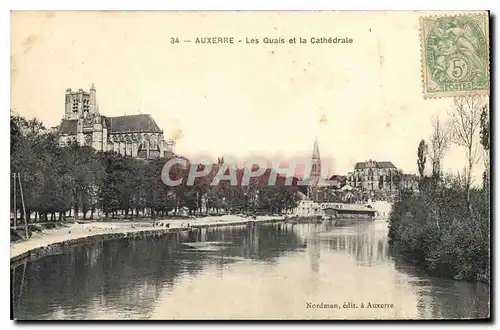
[{"x": 443, "y": 233}]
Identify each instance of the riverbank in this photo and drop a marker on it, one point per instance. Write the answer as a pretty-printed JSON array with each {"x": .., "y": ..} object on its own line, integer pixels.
[
  {"x": 50, "y": 241},
  {"x": 251, "y": 273},
  {"x": 437, "y": 231}
]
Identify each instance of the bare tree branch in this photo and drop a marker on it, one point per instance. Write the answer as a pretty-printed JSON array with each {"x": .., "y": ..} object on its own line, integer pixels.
[
  {"x": 465, "y": 127},
  {"x": 439, "y": 143}
]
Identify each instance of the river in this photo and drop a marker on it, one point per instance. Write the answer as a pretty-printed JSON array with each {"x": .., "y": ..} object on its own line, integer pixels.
[{"x": 272, "y": 271}]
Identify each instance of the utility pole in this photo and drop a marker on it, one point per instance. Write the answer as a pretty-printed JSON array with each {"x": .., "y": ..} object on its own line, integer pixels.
[
  {"x": 74, "y": 166},
  {"x": 15, "y": 210},
  {"x": 24, "y": 207}
]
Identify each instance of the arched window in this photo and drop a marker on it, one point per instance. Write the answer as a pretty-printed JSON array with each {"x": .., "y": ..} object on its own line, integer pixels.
[
  {"x": 370, "y": 174},
  {"x": 142, "y": 150},
  {"x": 110, "y": 146},
  {"x": 154, "y": 149}
]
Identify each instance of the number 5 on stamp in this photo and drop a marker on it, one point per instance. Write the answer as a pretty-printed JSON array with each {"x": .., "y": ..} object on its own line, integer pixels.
[{"x": 455, "y": 55}]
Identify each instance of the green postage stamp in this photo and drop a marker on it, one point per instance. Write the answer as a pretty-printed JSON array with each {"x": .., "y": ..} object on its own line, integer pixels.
[{"x": 455, "y": 55}]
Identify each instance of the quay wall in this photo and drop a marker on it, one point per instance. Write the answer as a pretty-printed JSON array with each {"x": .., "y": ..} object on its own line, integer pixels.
[{"x": 33, "y": 253}]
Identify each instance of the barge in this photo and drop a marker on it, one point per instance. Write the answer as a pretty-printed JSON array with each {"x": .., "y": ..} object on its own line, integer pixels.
[{"x": 349, "y": 211}]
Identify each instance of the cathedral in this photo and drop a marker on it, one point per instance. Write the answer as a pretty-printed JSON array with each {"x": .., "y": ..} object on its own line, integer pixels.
[{"x": 135, "y": 135}]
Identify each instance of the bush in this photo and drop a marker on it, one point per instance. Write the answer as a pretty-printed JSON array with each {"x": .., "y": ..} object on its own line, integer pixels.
[{"x": 437, "y": 230}]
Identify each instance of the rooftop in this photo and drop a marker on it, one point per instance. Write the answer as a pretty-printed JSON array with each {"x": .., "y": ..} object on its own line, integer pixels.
[
  {"x": 382, "y": 164},
  {"x": 132, "y": 123},
  {"x": 121, "y": 124}
]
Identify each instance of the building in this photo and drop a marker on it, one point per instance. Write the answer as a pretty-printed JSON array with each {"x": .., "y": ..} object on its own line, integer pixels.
[
  {"x": 313, "y": 189},
  {"x": 316, "y": 165},
  {"x": 338, "y": 181},
  {"x": 135, "y": 135},
  {"x": 409, "y": 182},
  {"x": 383, "y": 209},
  {"x": 374, "y": 176},
  {"x": 307, "y": 208},
  {"x": 349, "y": 211}
]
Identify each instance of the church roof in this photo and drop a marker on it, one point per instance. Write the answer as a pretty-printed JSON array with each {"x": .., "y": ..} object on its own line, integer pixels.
[
  {"x": 68, "y": 126},
  {"x": 315, "y": 154},
  {"x": 121, "y": 124},
  {"x": 132, "y": 123},
  {"x": 338, "y": 177},
  {"x": 384, "y": 164}
]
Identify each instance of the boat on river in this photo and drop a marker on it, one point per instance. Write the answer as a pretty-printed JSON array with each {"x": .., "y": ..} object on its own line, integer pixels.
[{"x": 349, "y": 211}]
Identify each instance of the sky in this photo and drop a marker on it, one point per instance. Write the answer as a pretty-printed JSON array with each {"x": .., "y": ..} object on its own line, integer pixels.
[{"x": 240, "y": 100}]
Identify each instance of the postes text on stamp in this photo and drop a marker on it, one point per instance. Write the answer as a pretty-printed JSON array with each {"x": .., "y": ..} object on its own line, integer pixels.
[{"x": 455, "y": 55}]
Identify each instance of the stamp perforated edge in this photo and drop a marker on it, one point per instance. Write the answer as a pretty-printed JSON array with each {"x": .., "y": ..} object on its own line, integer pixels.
[{"x": 422, "y": 55}]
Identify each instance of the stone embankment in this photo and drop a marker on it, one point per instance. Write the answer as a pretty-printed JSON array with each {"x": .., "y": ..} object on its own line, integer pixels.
[{"x": 54, "y": 241}]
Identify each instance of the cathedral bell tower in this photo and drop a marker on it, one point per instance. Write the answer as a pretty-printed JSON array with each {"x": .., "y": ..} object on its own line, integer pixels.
[
  {"x": 82, "y": 106},
  {"x": 76, "y": 103},
  {"x": 315, "y": 172}
]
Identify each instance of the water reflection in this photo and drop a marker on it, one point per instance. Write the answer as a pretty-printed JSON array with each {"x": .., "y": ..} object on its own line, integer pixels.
[{"x": 263, "y": 271}]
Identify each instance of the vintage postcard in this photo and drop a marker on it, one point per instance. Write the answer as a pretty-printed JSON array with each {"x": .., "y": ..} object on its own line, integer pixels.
[{"x": 250, "y": 165}]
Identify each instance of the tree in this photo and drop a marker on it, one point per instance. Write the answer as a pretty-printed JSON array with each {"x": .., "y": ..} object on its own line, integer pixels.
[
  {"x": 397, "y": 177},
  {"x": 485, "y": 142},
  {"x": 439, "y": 143},
  {"x": 421, "y": 159},
  {"x": 72, "y": 178},
  {"x": 465, "y": 126}
]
